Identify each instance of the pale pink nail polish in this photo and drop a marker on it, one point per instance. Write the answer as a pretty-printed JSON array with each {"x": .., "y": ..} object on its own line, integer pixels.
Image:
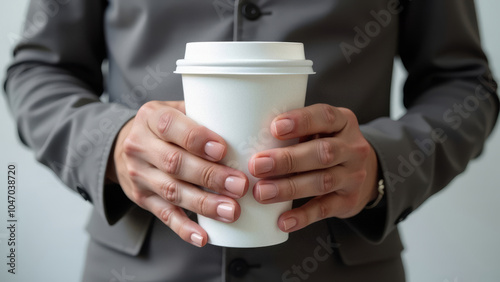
[
  {"x": 214, "y": 150},
  {"x": 289, "y": 223},
  {"x": 283, "y": 126},
  {"x": 226, "y": 211},
  {"x": 263, "y": 165},
  {"x": 197, "y": 239},
  {"x": 235, "y": 185},
  {"x": 267, "y": 191}
]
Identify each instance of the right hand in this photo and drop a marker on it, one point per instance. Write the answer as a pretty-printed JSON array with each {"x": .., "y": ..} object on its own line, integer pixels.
[{"x": 159, "y": 158}]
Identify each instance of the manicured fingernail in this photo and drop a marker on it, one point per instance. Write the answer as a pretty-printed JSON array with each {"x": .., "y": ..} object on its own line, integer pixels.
[
  {"x": 289, "y": 223},
  {"x": 263, "y": 165},
  {"x": 235, "y": 185},
  {"x": 197, "y": 239},
  {"x": 283, "y": 126},
  {"x": 267, "y": 191},
  {"x": 226, "y": 211},
  {"x": 214, "y": 150}
]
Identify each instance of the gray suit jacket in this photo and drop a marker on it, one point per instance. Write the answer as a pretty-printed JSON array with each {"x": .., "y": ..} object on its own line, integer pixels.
[{"x": 56, "y": 81}]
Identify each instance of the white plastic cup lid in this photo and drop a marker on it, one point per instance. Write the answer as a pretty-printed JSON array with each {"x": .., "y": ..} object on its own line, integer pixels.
[{"x": 239, "y": 57}]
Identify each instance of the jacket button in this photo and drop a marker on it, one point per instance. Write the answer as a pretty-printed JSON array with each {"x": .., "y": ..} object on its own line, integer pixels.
[
  {"x": 83, "y": 193},
  {"x": 238, "y": 267},
  {"x": 251, "y": 11},
  {"x": 403, "y": 215}
]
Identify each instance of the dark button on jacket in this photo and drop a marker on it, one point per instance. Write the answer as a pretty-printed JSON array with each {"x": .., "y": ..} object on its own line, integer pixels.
[
  {"x": 250, "y": 11},
  {"x": 238, "y": 267}
]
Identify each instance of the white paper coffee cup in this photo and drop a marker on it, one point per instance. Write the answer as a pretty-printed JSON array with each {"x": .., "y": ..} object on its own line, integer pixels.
[{"x": 236, "y": 89}]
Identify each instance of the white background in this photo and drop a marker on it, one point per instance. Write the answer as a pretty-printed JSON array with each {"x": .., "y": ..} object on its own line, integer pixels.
[{"x": 453, "y": 237}]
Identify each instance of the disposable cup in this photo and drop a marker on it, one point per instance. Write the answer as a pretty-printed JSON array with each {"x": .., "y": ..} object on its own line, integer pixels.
[{"x": 236, "y": 89}]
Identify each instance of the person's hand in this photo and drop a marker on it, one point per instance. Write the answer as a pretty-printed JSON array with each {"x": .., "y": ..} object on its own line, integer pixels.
[
  {"x": 159, "y": 158},
  {"x": 334, "y": 164}
]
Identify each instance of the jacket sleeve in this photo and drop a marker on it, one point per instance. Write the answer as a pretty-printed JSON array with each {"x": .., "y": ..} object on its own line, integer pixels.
[
  {"x": 452, "y": 107},
  {"x": 53, "y": 87}
]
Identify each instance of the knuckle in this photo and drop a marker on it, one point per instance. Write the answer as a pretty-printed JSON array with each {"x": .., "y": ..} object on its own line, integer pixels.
[
  {"x": 347, "y": 112},
  {"x": 145, "y": 109},
  {"x": 130, "y": 146},
  {"x": 328, "y": 113},
  {"x": 171, "y": 161},
  {"x": 327, "y": 183},
  {"x": 191, "y": 138},
  {"x": 170, "y": 192},
  {"x": 202, "y": 205},
  {"x": 288, "y": 159},
  {"x": 350, "y": 115},
  {"x": 325, "y": 152},
  {"x": 363, "y": 150},
  {"x": 208, "y": 176},
  {"x": 165, "y": 122},
  {"x": 137, "y": 196},
  {"x": 292, "y": 188},
  {"x": 307, "y": 120},
  {"x": 150, "y": 105},
  {"x": 167, "y": 214},
  {"x": 133, "y": 173},
  {"x": 323, "y": 209}
]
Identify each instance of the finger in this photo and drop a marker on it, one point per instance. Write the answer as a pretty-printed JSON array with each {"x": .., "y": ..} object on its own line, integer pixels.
[
  {"x": 190, "y": 197},
  {"x": 319, "y": 208},
  {"x": 178, "y": 105},
  {"x": 175, "y": 218},
  {"x": 182, "y": 165},
  {"x": 315, "y": 183},
  {"x": 311, "y": 155},
  {"x": 314, "y": 119},
  {"x": 173, "y": 126}
]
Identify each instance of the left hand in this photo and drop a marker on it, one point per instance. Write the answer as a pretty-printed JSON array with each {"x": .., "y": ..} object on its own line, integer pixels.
[{"x": 334, "y": 164}]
